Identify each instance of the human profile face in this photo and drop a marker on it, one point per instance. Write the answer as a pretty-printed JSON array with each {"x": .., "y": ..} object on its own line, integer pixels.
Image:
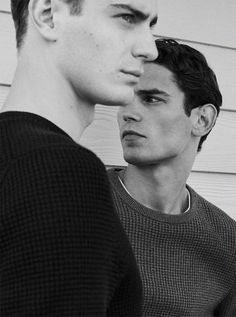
[
  {"x": 154, "y": 128},
  {"x": 102, "y": 50}
]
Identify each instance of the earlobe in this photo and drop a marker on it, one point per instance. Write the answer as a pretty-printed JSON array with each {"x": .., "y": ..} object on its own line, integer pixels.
[
  {"x": 41, "y": 14},
  {"x": 205, "y": 118}
]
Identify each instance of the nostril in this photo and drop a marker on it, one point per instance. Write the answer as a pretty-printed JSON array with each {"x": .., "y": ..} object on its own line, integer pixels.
[{"x": 129, "y": 118}]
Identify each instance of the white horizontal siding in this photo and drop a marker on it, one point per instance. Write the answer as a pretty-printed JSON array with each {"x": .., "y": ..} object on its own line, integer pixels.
[
  {"x": 5, "y": 5},
  {"x": 3, "y": 94},
  {"x": 204, "y": 21}
]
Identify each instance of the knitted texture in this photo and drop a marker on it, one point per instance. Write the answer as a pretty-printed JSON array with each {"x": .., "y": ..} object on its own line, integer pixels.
[
  {"x": 63, "y": 250},
  {"x": 187, "y": 261}
]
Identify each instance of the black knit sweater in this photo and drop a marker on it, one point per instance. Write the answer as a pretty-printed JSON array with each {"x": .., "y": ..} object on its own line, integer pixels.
[
  {"x": 187, "y": 261},
  {"x": 63, "y": 251}
]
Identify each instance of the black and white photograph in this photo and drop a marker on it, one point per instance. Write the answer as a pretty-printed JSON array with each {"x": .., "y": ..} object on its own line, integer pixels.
[{"x": 117, "y": 158}]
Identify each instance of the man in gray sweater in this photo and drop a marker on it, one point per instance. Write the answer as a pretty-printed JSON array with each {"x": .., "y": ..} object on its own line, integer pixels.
[{"x": 184, "y": 245}]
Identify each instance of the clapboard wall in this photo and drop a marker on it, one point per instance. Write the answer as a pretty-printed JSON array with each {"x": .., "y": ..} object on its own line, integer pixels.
[{"x": 207, "y": 25}]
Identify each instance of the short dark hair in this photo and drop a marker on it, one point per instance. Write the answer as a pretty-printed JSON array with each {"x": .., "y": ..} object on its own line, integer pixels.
[
  {"x": 19, "y": 9},
  {"x": 192, "y": 74}
]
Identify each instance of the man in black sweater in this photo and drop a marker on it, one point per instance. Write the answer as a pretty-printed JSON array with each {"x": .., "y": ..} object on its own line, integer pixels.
[
  {"x": 63, "y": 250},
  {"x": 184, "y": 245}
]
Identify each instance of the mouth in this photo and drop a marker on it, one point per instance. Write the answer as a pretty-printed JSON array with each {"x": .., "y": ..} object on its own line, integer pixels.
[
  {"x": 133, "y": 72},
  {"x": 130, "y": 134}
]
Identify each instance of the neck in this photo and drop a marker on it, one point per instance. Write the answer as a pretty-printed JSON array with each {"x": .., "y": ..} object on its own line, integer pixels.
[
  {"x": 38, "y": 87},
  {"x": 162, "y": 189}
]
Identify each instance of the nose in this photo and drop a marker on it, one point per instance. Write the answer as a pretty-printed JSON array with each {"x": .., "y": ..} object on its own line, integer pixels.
[
  {"x": 145, "y": 46},
  {"x": 128, "y": 114}
]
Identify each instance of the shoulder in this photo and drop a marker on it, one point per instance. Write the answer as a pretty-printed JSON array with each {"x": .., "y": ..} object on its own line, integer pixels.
[
  {"x": 33, "y": 145},
  {"x": 63, "y": 159},
  {"x": 23, "y": 134},
  {"x": 66, "y": 180},
  {"x": 71, "y": 166},
  {"x": 215, "y": 218},
  {"x": 212, "y": 212}
]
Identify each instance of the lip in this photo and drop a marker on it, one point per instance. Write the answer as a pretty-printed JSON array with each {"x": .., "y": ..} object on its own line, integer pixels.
[
  {"x": 133, "y": 72},
  {"x": 131, "y": 133}
]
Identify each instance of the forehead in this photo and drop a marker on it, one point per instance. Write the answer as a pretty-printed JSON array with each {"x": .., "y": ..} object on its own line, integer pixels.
[{"x": 156, "y": 77}]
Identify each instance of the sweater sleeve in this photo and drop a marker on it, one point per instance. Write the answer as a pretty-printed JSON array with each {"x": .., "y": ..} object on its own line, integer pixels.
[{"x": 59, "y": 255}]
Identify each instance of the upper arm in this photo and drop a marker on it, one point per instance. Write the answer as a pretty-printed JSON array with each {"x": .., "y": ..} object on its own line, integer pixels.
[{"x": 58, "y": 239}]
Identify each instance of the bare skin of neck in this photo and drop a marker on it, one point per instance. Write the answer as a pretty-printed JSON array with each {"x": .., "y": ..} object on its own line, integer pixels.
[
  {"x": 158, "y": 189},
  {"x": 39, "y": 88}
]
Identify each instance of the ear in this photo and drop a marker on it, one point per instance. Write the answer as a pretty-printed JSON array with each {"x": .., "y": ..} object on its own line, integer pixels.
[
  {"x": 41, "y": 14},
  {"x": 203, "y": 118}
]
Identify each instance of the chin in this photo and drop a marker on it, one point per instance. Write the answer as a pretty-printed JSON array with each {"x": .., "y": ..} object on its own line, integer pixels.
[
  {"x": 140, "y": 160},
  {"x": 120, "y": 96},
  {"x": 135, "y": 160}
]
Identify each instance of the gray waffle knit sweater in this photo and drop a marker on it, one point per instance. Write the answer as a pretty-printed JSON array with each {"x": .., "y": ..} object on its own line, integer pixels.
[
  {"x": 187, "y": 262},
  {"x": 63, "y": 251}
]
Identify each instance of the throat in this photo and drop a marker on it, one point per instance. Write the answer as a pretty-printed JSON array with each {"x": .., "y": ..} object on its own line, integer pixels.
[{"x": 170, "y": 205}]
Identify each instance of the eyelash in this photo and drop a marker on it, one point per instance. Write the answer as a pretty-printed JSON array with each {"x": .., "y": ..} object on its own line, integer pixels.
[
  {"x": 152, "y": 100},
  {"x": 127, "y": 17}
]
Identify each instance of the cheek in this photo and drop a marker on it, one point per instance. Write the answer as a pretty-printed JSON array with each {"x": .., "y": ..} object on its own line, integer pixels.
[
  {"x": 100, "y": 54},
  {"x": 167, "y": 131},
  {"x": 108, "y": 47},
  {"x": 161, "y": 127},
  {"x": 179, "y": 134},
  {"x": 102, "y": 46},
  {"x": 175, "y": 125}
]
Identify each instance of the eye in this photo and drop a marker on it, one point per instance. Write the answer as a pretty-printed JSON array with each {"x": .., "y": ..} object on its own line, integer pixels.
[
  {"x": 127, "y": 17},
  {"x": 152, "y": 100},
  {"x": 153, "y": 24}
]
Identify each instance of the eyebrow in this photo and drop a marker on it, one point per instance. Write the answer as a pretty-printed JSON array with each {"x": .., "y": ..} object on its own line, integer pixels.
[
  {"x": 139, "y": 14},
  {"x": 154, "y": 91}
]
